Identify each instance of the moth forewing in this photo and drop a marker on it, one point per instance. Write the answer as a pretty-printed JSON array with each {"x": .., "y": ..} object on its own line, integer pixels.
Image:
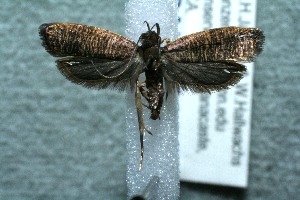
[
  {"x": 220, "y": 44},
  {"x": 68, "y": 39}
]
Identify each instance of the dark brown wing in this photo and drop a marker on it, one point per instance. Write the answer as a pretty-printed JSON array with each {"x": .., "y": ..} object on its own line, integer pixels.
[
  {"x": 101, "y": 73},
  {"x": 66, "y": 39},
  {"x": 201, "y": 77},
  {"x": 91, "y": 56},
  {"x": 220, "y": 44},
  {"x": 206, "y": 61}
]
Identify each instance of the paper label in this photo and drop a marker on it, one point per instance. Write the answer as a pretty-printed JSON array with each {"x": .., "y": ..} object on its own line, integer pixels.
[{"x": 214, "y": 130}]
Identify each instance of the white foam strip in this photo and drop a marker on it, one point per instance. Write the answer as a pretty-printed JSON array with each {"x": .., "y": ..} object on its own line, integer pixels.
[{"x": 161, "y": 150}]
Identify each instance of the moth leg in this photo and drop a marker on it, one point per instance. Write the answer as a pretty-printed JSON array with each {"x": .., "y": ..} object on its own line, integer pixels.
[
  {"x": 147, "y": 106},
  {"x": 142, "y": 128},
  {"x": 144, "y": 93},
  {"x": 167, "y": 40}
]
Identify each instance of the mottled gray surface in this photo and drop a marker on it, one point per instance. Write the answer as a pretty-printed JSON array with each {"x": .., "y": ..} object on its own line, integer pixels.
[
  {"x": 62, "y": 141},
  {"x": 58, "y": 140}
]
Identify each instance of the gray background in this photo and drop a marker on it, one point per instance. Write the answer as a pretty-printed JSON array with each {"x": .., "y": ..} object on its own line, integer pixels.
[{"x": 62, "y": 141}]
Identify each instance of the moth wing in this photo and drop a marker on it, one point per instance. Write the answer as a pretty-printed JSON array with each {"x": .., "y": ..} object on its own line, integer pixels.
[
  {"x": 201, "y": 77},
  {"x": 67, "y": 39},
  {"x": 91, "y": 56},
  {"x": 220, "y": 44},
  {"x": 206, "y": 61},
  {"x": 101, "y": 73}
]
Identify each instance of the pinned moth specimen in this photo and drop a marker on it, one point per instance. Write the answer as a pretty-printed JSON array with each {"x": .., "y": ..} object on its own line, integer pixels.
[{"x": 205, "y": 61}]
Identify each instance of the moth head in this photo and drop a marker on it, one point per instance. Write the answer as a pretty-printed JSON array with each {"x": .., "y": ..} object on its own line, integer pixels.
[{"x": 150, "y": 38}]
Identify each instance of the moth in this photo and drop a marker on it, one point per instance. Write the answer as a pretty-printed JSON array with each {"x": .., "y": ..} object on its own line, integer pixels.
[{"x": 205, "y": 61}]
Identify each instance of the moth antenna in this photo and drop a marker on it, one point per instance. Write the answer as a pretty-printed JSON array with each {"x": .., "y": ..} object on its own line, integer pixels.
[
  {"x": 148, "y": 26},
  {"x": 157, "y": 28}
]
